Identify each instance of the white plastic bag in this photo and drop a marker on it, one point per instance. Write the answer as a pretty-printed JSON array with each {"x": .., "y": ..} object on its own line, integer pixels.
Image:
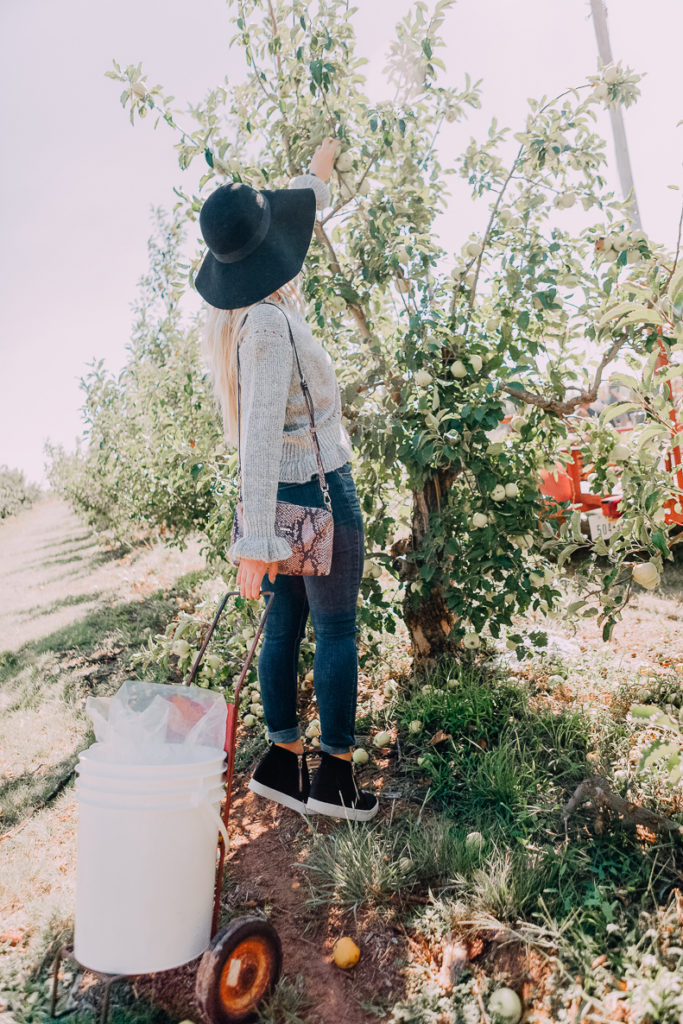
[{"x": 150, "y": 723}]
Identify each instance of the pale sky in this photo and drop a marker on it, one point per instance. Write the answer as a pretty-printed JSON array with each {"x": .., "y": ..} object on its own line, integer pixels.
[{"x": 78, "y": 182}]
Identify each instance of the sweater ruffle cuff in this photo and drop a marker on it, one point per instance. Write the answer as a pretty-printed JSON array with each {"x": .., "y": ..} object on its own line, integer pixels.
[
  {"x": 320, "y": 187},
  {"x": 264, "y": 549}
]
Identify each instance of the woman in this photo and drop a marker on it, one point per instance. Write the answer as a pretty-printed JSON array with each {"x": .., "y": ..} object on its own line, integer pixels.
[{"x": 257, "y": 244}]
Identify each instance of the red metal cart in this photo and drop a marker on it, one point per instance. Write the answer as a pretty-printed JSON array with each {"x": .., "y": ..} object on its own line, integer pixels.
[{"x": 243, "y": 960}]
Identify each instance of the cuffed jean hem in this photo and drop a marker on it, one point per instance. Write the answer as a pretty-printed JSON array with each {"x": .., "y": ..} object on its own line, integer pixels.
[
  {"x": 285, "y": 735},
  {"x": 335, "y": 750}
]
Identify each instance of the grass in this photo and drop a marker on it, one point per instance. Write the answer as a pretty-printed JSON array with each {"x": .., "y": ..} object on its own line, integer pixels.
[
  {"x": 503, "y": 767},
  {"x": 476, "y": 847},
  {"x": 286, "y": 1004}
]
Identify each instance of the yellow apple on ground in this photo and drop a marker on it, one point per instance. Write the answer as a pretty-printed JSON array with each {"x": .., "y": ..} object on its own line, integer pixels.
[{"x": 345, "y": 953}]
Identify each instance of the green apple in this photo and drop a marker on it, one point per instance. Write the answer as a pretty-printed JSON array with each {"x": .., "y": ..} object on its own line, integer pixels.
[
  {"x": 473, "y": 249},
  {"x": 505, "y": 1006},
  {"x": 646, "y": 574},
  {"x": 344, "y": 161}
]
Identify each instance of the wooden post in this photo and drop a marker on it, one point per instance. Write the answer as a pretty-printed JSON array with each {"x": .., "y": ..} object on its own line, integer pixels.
[{"x": 616, "y": 116}]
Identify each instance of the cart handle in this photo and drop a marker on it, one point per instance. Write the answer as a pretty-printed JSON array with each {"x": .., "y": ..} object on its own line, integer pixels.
[{"x": 250, "y": 654}]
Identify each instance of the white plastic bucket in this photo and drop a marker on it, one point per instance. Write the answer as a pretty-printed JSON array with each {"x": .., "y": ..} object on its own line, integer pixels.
[{"x": 146, "y": 860}]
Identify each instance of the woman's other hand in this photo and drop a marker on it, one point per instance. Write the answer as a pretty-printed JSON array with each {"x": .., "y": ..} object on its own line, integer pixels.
[
  {"x": 323, "y": 159},
  {"x": 250, "y": 572}
]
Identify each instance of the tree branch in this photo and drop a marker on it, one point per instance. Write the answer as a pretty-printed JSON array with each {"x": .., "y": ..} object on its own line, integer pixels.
[
  {"x": 562, "y": 408},
  {"x": 596, "y": 789},
  {"x": 356, "y": 311}
]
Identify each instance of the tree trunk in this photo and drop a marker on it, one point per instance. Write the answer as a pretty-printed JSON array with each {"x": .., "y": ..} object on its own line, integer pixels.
[{"x": 429, "y": 620}]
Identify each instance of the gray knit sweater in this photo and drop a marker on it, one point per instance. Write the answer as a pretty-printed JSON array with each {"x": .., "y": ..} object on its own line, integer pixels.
[{"x": 276, "y": 440}]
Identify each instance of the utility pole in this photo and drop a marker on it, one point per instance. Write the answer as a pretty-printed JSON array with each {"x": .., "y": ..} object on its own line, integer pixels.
[{"x": 599, "y": 10}]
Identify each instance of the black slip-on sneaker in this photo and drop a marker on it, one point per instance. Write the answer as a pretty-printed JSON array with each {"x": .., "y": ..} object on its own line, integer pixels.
[
  {"x": 282, "y": 776},
  {"x": 334, "y": 792}
]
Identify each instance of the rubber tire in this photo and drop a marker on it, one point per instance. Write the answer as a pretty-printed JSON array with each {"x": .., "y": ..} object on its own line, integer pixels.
[{"x": 214, "y": 960}]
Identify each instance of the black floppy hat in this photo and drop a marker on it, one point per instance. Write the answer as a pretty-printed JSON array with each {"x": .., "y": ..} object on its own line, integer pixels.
[{"x": 257, "y": 239}]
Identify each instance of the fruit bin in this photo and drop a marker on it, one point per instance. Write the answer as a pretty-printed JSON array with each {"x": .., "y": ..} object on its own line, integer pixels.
[
  {"x": 568, "y": 484},
  {"x": 243, "y": 960}
]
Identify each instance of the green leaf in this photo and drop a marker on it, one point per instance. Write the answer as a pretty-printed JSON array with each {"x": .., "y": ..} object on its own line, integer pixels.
[
  {"x": 675, "y": 285},
  {"x": 643, "y": 711},
  {"x": 566, "y": 553},
  {"x": 651, "y": 431},
  {"x": 613, "y": 411},
  {"x": 621, "y": 309},
  {"x": 658, "y": 751},
  {"x": 663, "y": 720},
  {"x": 316, "y": 69},
  {"x": 626, "y": 380},
  {"x": 523, "y": 320},
  {"x": 659, "y": 541},
  {"x": 607, "y": 629},
  {"x": 208, "y": 156},
  {"x": 643, "y": 316}
]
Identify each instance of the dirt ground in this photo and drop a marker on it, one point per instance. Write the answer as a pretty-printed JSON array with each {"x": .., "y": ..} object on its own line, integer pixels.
[{"x": 52, "y": 572}]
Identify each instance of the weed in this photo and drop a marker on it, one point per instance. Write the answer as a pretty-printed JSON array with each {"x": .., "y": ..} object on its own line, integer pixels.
[
  {"x": 352, "y": 866},
  {"x": 286, "y": 1004}
]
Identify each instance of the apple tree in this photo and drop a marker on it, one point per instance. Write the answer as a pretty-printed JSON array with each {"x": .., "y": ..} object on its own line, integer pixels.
[{"x": 435, "y": 349}]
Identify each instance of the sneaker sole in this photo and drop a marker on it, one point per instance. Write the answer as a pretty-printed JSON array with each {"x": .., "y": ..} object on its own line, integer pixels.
[
  {"x": 277, "y": 796},
  {"x": 339, "y": 811}
]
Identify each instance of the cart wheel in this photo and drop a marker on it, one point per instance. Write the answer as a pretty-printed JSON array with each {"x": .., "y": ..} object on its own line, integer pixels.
[{"x": 240, "y": 968}]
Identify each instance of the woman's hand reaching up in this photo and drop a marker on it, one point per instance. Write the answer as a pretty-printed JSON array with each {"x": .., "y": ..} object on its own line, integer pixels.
[
  {"x": 323, "y": 159},
  {"x": 250, "y": 572}
]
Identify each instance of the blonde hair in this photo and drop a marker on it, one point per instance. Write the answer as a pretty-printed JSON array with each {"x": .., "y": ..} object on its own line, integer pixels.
[{"x": 219, "y": 339}]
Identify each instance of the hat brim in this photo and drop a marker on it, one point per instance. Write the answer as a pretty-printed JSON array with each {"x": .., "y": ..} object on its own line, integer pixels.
[{"x": 275, "y": 261}]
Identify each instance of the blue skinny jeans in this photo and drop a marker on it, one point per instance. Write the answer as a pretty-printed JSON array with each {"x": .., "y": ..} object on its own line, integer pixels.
[{"x": 331, "y": 602}]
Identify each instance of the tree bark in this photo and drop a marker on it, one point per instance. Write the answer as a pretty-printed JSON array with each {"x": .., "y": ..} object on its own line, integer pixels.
[{"x": 428, "y": 618}]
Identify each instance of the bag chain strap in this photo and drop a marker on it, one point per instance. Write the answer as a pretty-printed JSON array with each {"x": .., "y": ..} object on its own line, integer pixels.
[{"x": 309, "y": 407}]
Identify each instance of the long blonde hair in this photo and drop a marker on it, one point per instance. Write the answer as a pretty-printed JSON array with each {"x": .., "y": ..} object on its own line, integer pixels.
[{"x": 219, "y": 347}]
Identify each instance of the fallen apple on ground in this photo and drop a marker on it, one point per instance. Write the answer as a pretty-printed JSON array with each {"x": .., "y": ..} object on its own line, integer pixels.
[{"x": 345, "y": 953}]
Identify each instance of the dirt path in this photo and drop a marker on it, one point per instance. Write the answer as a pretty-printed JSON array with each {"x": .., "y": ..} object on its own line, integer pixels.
[{"x": 53, "y": 571}]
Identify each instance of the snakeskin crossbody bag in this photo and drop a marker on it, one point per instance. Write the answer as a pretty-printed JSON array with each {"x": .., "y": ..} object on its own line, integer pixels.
[{"x": 308, "y": 530}]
